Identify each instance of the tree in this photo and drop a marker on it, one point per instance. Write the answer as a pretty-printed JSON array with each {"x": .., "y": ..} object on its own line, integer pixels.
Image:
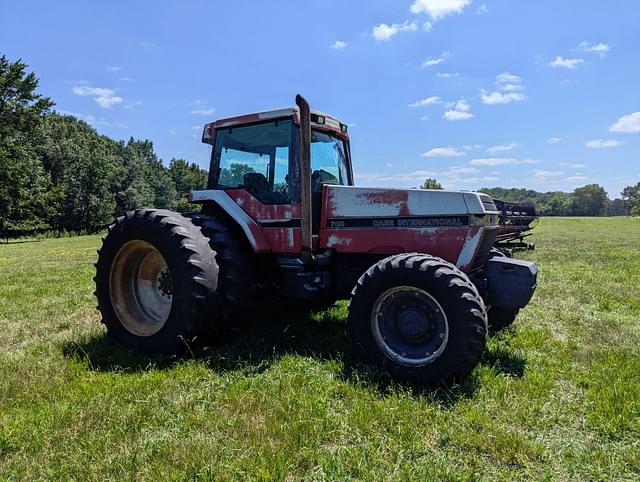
[
  {"x": 631, "y": 198},
  {"x": 234, "y": 175},
  {"x": 590, "y": 200},
  {"x": 617, "y": 208},
  {"x": 24, "y": 185},
  {"x": 186, "y": 177},
  {"x": 431, "y": 184}
]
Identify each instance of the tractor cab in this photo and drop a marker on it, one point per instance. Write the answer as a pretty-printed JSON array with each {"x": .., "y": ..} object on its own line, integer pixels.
[{"x": 260, "y": 153}]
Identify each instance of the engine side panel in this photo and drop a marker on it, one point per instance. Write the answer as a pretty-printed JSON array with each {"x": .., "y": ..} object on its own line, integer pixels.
[{"x": 390, "y": 221}]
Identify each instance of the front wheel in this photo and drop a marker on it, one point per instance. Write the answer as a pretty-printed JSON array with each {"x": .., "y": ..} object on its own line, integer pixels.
[{"x": 419, "y": 317}]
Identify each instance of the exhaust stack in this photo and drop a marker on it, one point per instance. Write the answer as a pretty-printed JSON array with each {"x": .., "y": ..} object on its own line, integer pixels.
[{"x": 305, "y": 178}]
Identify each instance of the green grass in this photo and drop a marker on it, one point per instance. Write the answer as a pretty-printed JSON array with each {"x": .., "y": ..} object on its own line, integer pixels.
[{"x": 556, "y": 397}]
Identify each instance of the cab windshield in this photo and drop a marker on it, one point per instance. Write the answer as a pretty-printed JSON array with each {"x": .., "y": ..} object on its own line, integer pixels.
[{"x": 258, "y": 158}]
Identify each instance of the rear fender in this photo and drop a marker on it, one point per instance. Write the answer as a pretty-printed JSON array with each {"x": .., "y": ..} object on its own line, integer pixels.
[{"x": 250, "y": 228}]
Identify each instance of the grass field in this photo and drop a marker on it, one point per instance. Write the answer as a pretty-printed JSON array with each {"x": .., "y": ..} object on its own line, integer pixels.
[{"x": 556, "y": 397}]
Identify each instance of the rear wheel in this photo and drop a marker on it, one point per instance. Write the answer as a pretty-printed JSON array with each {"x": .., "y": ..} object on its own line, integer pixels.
[
  {"x": 235, "y": 296},
  {"x": 154, "y": 274},
  {"x": 419, "y": 317}
]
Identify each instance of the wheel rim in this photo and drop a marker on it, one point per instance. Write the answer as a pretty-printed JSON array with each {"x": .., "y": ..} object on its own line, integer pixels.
[
  {"x": 409, "y": 325},
  {"x": 141, "y": 288}
]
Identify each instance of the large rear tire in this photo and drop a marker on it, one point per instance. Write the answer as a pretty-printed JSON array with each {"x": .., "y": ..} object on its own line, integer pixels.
[
  {"x": 154, "y": 275},
  {"x": 235, "y": 297},
  {"x": 419, "y": 317}
]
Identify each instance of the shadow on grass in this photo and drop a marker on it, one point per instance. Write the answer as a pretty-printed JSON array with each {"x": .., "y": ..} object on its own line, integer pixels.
[{"x": 256, "y": 346}]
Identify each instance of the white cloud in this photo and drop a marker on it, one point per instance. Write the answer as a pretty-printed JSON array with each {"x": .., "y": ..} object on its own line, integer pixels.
[
  {"x": 554, "y": 140},
  {"x": 600, "y": 49},
  {"x": 509, "y": 90},
  {"x": 447, "y": 75},
  {"x": 577, "y": 178},
  {"x": 457, "y": 170},
  {"x": 508, "y": 78},
  {"x": 501, "y": 161},
  {"x": 602, "y": 143},
  {"x": 412, "y": 176},
  {"x": 147, "y": 44},
  {"x": 338, "y": 45},
  {"x": 543, "y": 177},
  {"x": 443, "y": 152},
  {"x": 455, "y": 115},
  {"x": 384, "y": 32},
  {"x": 126, "y": 79},
  {"x": 203, "y": 111},
  {"x": 114, "y": 68},
  {"x": 562, "y": 63},
  {"x": 577, "y": 166},
  {"x": 92, "y": 120},
  {"x": 431, "y": 61},
  {"x": 482, "y": 9},
  {"x": 132, "y": 105},
  {"x": 459, "y": 111},
  {"x": 426, "y": 101},
  {"x": 438, "y": 9},
  {"x": 104, "y": 97},
  {"x": 462, "y": 105},
  {"x": 201, "y": 107},
  {"x": 627, "y": 124},
  {"x": 494, "y": 98},
  {"x": 424, "y": 118},
  {"x": 502, "y": 148},
  {"x": 427, "y": 26}
]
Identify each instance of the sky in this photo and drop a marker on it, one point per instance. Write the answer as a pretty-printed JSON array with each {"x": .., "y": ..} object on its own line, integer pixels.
[{"x": 542, "y": 94}]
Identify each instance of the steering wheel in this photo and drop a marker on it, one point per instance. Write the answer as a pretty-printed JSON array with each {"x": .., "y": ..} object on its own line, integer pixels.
[{"x": 320, "y": 177}]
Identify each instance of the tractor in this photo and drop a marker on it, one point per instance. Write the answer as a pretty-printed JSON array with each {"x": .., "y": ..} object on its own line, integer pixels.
[{"x": 281, "y": 220}]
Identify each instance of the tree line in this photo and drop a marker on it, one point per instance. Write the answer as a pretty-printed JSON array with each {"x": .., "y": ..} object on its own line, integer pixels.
[
  {"x": 589, "y": 200},
  {"x": 58, "y": 173}
]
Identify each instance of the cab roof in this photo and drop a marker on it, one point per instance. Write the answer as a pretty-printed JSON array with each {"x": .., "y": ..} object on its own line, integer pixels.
[{"x": 318, "y": 119}]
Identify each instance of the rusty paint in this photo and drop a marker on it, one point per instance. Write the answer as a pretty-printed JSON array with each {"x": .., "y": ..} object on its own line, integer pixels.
[
  {"x": 390, "y": 197},
  {"x": 262, "y": 212}
]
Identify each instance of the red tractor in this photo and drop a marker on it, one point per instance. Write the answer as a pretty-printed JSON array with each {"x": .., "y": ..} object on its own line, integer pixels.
[{"x": 281, "y": 219}]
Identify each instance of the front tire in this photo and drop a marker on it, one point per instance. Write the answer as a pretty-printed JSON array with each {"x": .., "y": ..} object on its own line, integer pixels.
[
  {"x": 419, "y": 317},
  {"x": 154, "y": 275}
]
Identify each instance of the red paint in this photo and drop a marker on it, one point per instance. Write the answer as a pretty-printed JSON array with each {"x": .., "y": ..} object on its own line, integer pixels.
[
  {"x": 283, "y": 240},
  {"x": 443, "y": 242},
  {"x": 263, "y": 212}
]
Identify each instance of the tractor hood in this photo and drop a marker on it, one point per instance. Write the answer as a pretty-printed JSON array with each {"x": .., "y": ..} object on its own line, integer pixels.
[{"x": 368, "y": 202}]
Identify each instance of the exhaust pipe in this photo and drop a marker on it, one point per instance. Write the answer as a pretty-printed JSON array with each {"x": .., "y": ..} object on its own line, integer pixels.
[{"x": 305, "y": 178}]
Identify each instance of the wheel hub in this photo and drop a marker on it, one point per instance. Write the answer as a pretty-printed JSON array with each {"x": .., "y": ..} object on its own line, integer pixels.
[
  {"x": 164, "y": 282},
  {"x": 410, "y": 325},
  {"x": 141, "y": 288}
]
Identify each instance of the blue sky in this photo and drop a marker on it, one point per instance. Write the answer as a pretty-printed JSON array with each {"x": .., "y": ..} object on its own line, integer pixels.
[{"x": 542, "y": 94}]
